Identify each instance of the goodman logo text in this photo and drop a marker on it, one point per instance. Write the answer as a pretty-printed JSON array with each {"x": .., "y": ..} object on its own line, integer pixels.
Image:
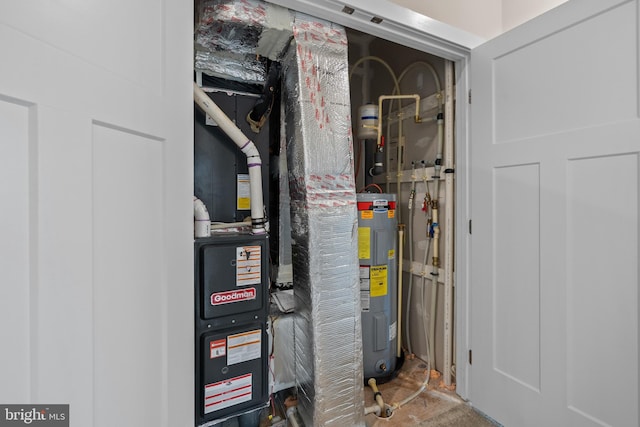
[
  {"x": 36, "y": 415},
  {"x": 233, "y": 296}
]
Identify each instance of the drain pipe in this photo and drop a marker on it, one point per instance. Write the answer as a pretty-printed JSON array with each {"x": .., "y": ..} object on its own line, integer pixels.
[
  {"x": 202, "y": 222},
  {"x": 258, "y": 220},
  {"x": 379, "y": 408},
  {"x": 377, "y": 396},
  {"x": 291, "y": 404},
  {"x": 373, "y": 409}
]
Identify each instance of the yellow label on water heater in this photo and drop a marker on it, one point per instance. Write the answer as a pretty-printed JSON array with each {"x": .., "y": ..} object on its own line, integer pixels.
[
  {"x": 364, "y": 242},
  {"x": 366, "y": 214},
  {"x": 378, "y": 280}
]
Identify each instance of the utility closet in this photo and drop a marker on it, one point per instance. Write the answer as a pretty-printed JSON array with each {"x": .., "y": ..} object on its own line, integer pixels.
[{"x": 323, "y": 217}]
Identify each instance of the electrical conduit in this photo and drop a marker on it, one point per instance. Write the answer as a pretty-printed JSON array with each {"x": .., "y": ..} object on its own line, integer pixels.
[{"x": 254, "y": 162}]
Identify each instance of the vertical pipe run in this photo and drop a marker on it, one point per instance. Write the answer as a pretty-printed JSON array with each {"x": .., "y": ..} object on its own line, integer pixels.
[
  {"x": 202, "y": 222},
  {"x": 248, "y": 148},
  {"x": 435, "y": 205},
  {"x": 410, "y": 208},
  {"x": 449, "y": 224},
  {"x": 399, "y": 293}
]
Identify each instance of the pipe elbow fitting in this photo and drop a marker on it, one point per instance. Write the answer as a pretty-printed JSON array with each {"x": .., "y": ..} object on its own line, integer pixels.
[{"x": 202, "y": 221}]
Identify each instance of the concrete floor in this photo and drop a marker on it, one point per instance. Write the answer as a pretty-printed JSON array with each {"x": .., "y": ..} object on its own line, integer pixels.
[{"x": 437, "y": 406}]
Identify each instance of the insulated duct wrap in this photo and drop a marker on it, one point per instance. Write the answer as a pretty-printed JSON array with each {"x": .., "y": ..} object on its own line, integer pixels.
[
  {"x": 232, "y": 35},
  {"x": 327, "y": 330},
  {"x": 242, "y": 68}
]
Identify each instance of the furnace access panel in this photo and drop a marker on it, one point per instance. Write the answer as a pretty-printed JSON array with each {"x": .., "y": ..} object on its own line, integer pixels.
[
  {"x": 232, "y": 276},
  {"x": 231, "y": 306}
]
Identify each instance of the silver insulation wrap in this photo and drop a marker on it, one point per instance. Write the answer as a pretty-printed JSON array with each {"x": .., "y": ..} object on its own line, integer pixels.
[
  {"x": 243, "y": 68},
  {"x": 231, "y": 35},
  {"x": 327, "y": 330}
]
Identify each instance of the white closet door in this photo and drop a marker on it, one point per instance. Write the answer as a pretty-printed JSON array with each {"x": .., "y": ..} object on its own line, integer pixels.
[
  {"x": 96, "y": 268},
  {"x": 555, "y": 192}
]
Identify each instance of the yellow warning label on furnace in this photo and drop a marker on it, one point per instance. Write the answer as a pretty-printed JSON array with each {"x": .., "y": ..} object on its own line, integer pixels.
[
  {"x": 243, "y": 188},
  {"x": 244, "y": 203},
  {"x": 364, "y": 242},
  {"x": 367, "y": 214},
  {"x": 378, "y": 280},
  {"x": 392, "y": 254},
  {"x": 391, "y": 213}
]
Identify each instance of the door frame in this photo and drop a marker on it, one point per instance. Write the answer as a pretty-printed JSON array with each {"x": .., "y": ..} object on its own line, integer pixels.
[{"x": 411, "y": 29}]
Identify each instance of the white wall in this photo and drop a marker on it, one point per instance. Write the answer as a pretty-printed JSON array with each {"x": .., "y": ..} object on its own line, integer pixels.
[
  {"x": 96, "y": 180},
  {"x": 486, "y": 18},
  {"x": 483, "y": 18},
  {"x": 515, "y": 12}
]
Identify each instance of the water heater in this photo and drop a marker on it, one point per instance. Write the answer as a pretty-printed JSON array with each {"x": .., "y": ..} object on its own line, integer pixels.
[{"x": 377, "y": 248}]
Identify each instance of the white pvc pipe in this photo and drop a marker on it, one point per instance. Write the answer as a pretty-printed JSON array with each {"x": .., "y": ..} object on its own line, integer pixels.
[
  {"x": 399, "y": 292},
  {"x": 291, "y": 416},
  {"x": 430, "y": 67},
  {"x": 429, "y": 338},
  {"x": 376, "y": 393},
  {"x": 410, "y": 208},
  {"x": 202, "y": 222},
  {"x": 223, "y": 225},
  {"x": 449, "y": 227},
  {"x": 436, "y": 237},
  {"x": 399, "y": 97},
  {"x": 248, "y": 148},
  {"x": 373, "y": 409}
]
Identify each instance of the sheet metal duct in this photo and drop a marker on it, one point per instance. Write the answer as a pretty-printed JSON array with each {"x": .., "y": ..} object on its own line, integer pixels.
[
  {"x": 324, "y": 222},
  {"x": 285, "y": 263}
]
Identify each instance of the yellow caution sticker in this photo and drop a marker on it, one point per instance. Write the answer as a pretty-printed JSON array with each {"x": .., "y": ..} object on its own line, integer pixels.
[
  {"x": 364, "y": 242},
  {"x": 367, "y": 214},
  {"x": 391, "y": 213},
  {"x": 243, "y": 188},
  {"x": 392, "y": 253},
  {"x": 244, "y": 203},
  {"x": 378, "y": 281}
]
